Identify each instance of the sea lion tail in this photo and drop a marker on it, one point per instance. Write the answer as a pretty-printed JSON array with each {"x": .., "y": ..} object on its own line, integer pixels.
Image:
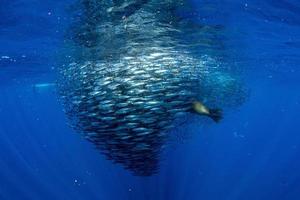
[{"x": 216, "y": 114}]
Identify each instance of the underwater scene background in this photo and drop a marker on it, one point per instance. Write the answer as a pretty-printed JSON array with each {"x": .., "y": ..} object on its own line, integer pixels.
[{"x": 247, "y": 52}]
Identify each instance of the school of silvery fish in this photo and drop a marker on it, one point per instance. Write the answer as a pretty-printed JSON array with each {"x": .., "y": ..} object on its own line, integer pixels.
[{"x": 128, "y": 78}]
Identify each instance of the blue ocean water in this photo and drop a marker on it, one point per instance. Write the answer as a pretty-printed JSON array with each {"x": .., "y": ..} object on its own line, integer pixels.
[{"x": 252, "y": 154}]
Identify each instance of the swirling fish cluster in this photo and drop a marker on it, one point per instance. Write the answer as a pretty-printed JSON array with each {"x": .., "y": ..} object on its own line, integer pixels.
[
  {"x": 129, "y": 77},
  {"x": 125, "y": 108}
]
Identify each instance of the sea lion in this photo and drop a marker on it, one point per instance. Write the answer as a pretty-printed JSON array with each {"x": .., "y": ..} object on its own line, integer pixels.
[{"x": 201, "y": 109}]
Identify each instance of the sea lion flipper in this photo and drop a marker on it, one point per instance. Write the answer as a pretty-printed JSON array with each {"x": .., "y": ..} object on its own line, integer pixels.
[{"x": 216, "y": 114}]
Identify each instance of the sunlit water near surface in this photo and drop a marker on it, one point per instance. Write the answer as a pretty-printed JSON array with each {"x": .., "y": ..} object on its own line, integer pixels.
[{"x": 253, "y": 153}]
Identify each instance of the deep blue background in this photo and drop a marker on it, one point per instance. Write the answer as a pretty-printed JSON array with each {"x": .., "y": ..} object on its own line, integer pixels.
[{"x": 253, "y": 154}]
